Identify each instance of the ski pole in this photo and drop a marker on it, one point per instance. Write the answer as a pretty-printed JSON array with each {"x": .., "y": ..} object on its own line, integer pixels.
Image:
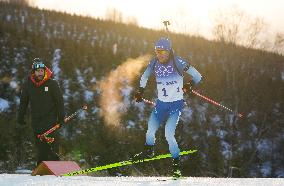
[
  {"x": 166, "y": 23},
  {"x": 44, "y": 136},
  {"x": 149, "y": 102},
  {"x": 215, "y": 103}
]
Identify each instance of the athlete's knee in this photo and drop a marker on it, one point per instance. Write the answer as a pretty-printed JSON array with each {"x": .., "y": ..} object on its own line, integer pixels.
[
  {"x": 170, "y": 135},
  {"x": 150, "y": 134}
]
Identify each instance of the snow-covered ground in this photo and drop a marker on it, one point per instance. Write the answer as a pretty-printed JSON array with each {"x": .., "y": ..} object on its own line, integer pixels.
[{"x": 49, "y": 180}]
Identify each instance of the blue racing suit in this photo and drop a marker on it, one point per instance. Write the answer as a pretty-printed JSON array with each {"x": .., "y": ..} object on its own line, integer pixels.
[{"x": 169, "y": 79}]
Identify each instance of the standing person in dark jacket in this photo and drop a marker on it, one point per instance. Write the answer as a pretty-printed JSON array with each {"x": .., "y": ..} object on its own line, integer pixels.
[{"x": 47, "y": 108}]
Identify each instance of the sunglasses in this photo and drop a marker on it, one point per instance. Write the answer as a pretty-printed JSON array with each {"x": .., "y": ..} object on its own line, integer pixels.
[
  {"x": 161, "y": 52},
  {"x": 38, "y": 65}
]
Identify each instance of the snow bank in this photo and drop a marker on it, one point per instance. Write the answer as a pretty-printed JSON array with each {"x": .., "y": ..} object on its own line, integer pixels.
[{"x": 19, "y": 180}]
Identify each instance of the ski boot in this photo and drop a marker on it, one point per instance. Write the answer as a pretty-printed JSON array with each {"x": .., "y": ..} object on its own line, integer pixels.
[
  {"x": 176, "y": 168},
  {"x": 147, "y": 153}
]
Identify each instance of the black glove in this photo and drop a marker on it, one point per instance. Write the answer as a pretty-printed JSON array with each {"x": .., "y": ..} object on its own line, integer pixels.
[
  {"x": 187, "y": 87},
  {"x": 138, "y": 95}
]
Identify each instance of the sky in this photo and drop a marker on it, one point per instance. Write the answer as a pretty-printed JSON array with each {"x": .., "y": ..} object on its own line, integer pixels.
[{"x": 184, "y": 15}]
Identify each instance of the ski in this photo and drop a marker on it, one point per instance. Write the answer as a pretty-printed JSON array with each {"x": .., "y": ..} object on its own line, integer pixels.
[{"x": 125, "y": 163}]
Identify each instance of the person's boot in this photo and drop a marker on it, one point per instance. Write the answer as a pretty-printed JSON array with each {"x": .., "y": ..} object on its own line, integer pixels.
[
  {"x": 176, "y": 170},
  {"x": 147, "y": 153},
  {"x": 150, "y": 151}
]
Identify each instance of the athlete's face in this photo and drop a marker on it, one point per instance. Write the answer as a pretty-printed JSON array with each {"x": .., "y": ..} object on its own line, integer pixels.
[
  {"x": 162, "y": 55},
  {"x": 39, "y": 74}
]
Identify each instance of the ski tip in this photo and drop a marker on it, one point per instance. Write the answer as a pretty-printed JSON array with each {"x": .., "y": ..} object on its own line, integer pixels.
[{"x": 188, "y": 152}]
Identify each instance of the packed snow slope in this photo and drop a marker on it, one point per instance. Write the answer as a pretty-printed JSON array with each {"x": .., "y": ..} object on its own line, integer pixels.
[{"x": 49, "y": 180}]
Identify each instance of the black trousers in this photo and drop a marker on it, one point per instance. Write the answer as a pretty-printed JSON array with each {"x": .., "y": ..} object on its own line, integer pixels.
[{"x": 45, "y": 151}]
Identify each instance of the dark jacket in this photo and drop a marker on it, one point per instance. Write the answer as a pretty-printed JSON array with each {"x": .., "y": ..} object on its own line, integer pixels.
[{"x": 46, "y": 102}]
